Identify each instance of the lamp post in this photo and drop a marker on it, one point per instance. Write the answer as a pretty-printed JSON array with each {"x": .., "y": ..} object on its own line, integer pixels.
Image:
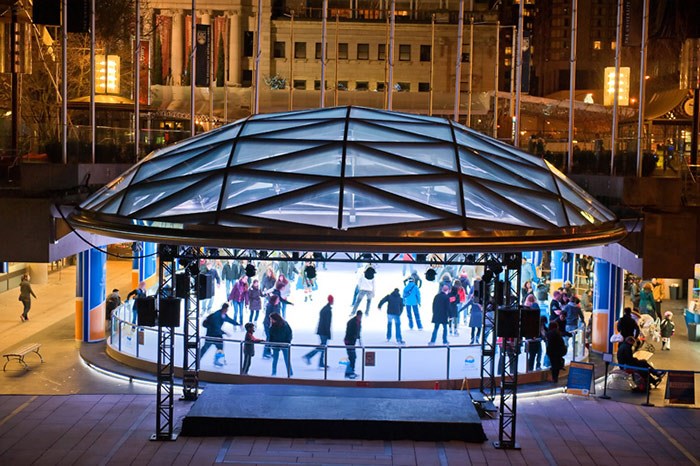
[{"x": 291, "y": 59}]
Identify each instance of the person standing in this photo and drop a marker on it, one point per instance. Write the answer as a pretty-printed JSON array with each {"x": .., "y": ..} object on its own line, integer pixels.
[
  {"x": 249, "y": 347},
  {"x": 272, "y": 306},
  {"x": 635, "y": 289},
  {"x": 229, "y": 274},
  {"x": 476, "y": 321},
  {"x": 647, "y": 305},
  {"x": 534, "y": 347},
  {"x": 309, "y": 281},
  {"x": 214, "y": 324},
  {"x": 283, "y": 289},
  {"x": 365, "y": 289},
  {"x": 394, "y": 308},
  {"x": 324, "y": 333},
  {"x": 280, "y": 332},
  {"x": 112, "y": 302},
  {"x": 441, "y": 312},
  {"x": 411, "y": 299},
  {"x": 667, "y": 329},
  {"x": 659, "y": 294},
  {"x": 208, "y": 268},
  {"x": 574, "y": 315},
  {"x": 139, "y": 292},
  {"x": 239, "y": 297},
  {"x": 626, "y": 325},
  {"x": 556, "y": 349},
  {"x": 353, "y": 333},
  {"x": 254, "y": 301},
  {"x": 25, "y": 296}
]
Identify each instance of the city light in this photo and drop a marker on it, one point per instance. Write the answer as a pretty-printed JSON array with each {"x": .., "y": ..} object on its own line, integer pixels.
[
  {"x": 107, "y": 74},
  {"x": 623, "y": 97}
]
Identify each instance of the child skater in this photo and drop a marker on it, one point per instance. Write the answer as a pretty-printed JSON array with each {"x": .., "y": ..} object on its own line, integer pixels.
[
  {"x": 667, "y": 329},
  {"x": 249, "y": 346}
]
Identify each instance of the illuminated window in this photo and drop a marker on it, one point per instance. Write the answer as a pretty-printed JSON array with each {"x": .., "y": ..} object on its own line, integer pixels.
[
  {"x": 506, "y": 62},
  {"x": 612, "y": 45},
  {"x": 597, "y": 45},
  {"x": 509, "y": 50}
]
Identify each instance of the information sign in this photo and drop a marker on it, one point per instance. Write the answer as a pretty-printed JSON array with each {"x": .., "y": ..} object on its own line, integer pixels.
[
  {"x": 680, "y": 388},
  {"x": 580, "y": 378}
]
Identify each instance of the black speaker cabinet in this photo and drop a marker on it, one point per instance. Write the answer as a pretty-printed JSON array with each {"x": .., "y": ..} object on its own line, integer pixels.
[
  {"x": 206, "y": 286},
  {"x": 169, "y": 312},
  {"x": 530, "y": 322},
  {"x": 146, "y": 311},
  {"x": 182, "y": 285},
  {"x": 507, "y": 323},
  {"x": 46, "y": 12}
]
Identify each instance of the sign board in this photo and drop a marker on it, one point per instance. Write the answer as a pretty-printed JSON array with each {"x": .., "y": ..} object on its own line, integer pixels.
[
  {"x": 680, "y": 388},
  {"x": 580, "y": 378},
  {"x": 370, "y": 358}
]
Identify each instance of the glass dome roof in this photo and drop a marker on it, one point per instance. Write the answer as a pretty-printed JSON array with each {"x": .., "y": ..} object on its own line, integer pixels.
[{"x": 350, "y": 178}]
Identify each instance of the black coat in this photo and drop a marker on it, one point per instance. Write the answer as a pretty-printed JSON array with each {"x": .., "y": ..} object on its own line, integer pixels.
[
  {"x": 281, "y": 333},
  {"x": 395, "y": 303},
  {"x": 441, "y": 308},
  {"x": 627, "y": 326},
  {"x": 556, "y": 348},
  {"x": 352, "y": 331},
  {"x": 215, "y": 321},
  {"x": 324, "y": 321}
]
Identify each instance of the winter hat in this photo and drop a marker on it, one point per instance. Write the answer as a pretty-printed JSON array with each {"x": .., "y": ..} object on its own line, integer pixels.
[
  {"x": 668, "y": 314},
  {"x": 330, "y": 299}
]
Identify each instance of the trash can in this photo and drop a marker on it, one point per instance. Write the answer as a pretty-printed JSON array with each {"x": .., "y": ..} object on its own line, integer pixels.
[
  {"x": 674, "y": 291},
  {"x": 692, "y": 332}
]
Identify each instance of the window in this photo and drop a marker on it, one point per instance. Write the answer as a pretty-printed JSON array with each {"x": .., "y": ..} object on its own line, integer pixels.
[
  {"x": 248, "y": 39},
  {"x": 278, "y": 50},
  {"x": 317, "y": 85},
  {"x": 404, "y": 52},
  {"x": 300, "y": 84},
  {"x": 612, "y": 45},
  {"x": 363, "y": 51},
  {"x": 300, "y": 50},
  {"x": 423, "y": 87},
  {"x": 425, "y": 53},
  {"x": 506, "y": 62},
  {"x": 508, "y": 50},
  {"x": 597, "y": 45},
  {"x": 402, "y": 87},
  {"x": 362, "y": 86},
  {"x": 342, "y": 85},
  {"x": 465, "y": 57},
  {"x": 319, "y": 50},
  {"x": 381, "y": 52},
  {"x": 247, "y": 78},
  {"x": 343, "y": 51},
  {"x": 380, "y": 87}
]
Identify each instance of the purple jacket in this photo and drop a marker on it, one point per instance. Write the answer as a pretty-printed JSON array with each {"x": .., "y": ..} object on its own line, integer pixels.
[{"x": 239, "y": 292}]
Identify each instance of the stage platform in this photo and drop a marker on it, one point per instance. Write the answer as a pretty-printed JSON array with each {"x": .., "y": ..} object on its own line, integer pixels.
[{"x": 333, "y": 412}]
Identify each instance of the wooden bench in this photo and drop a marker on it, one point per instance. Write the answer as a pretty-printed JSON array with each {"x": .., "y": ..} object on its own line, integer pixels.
[{"x": 21, "y": 352}]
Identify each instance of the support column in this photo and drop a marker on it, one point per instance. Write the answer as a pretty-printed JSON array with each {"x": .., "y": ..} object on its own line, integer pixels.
[
  {"x": 568, "y": 268},
  {"x": 144, "y": 264},
  {"x": 39, "y": 271},
  {"x": 234, "y": 49},
  {"x": 177, "y": 50},
  {"x": 90, "y": 294},
  {"x": 607, "y": 302},
  {"x": 557, "y": 271}
]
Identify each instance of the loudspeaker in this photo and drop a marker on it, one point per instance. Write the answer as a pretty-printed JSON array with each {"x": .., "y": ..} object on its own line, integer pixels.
[
  {"x": 169, "y": 312},
  {"x": 499, "y": 292},
  {"x": 205, "y": 286},
  {"x": 146, "y": 311},
  {"x": 46, "y": 12},
  {"x": 250, "y": 271},
  {"x": 78, "y": 16},
  {"x": 512, "y": 260},
  {"x": 182, "y": 285},
  {"x": 507, "y": 322},
  {"x": 529, "y": 322}
]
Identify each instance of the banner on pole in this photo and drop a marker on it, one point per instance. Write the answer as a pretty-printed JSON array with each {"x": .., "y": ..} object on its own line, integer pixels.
[{"x": 203, "y": 59}]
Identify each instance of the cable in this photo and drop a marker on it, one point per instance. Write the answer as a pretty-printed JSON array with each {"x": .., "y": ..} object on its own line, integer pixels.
[{"x": 103, "y": 251}]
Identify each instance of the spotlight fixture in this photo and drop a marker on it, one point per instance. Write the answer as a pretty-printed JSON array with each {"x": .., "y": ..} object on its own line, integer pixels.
[
  {"x": 430, "y": 274},
  {"x": 250, "y": 270}
]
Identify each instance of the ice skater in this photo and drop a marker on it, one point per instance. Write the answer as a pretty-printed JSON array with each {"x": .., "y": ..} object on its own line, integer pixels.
[
  {"x": 249, "y": 347},
  {"x": 411, "y": 299},
  {"x": 324, "y": 333},
  {"x": 394, "y": 309}
]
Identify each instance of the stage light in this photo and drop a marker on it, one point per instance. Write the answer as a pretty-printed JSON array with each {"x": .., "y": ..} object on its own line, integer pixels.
[
  {"x": 250, "y": 270},
  {"x": 430, "y": 274}
]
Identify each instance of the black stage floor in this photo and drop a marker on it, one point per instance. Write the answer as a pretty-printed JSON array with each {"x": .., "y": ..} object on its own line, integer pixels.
[{"x": 333, "y": 412}]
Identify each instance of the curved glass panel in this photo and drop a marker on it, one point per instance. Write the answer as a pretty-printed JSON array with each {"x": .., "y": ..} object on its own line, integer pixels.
[
  {"x": 437, "y": 155},
  {"x": 113, "y": 187},
  {"x": 360, "y": 164},
  {"x": 361, "y": 209},
  {"x": 251, "y": 150},
  {"x": 201, "y": 197},
  {"x": 325, "y": 161},
  {"x": 144, "y": 194},
  {"x": 313, "y": 130},
  {"x": 317, "y": 208},
  {"x": 364, "y": 131},
  {"x": 244, "y": 189},
  {"x": 478, "y": 204},
  {"x": 440, "y": 194},
  {"x": 439, "y": 132}
]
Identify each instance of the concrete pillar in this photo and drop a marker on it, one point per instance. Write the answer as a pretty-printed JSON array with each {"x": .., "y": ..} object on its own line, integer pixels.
[
  {"x": 608, "y": 297},
  {"x": 235, "y": 49},
  {"x": 90, "y": 294},
  {"x": 568, "y": 268},
  {"x": 557, "y": 271},
  {"x": 39, "y": 272},
  {"x": 144, "y": 265},
  {"x": 177, "y": 51}
]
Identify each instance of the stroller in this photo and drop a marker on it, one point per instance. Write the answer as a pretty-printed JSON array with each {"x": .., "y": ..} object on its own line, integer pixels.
[{"x": 649, "y": 332}]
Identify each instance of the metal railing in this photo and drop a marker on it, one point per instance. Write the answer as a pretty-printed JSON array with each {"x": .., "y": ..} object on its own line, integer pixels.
[{"x": 447, "y": 362}]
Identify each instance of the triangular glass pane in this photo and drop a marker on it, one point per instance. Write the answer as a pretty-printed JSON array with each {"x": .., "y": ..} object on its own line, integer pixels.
[
  {"x": 480, "y": 143},
  {"x": 249, "y": 150},
  {"x": 197, "y": 160},
  {"x": 324, "y": 161},
  {"x": 582, "y": 199},
  {"x": 294, "y": 129},
  {"x": 144, "y": 194},
  {"x": 439, "y": 132},
  {"x": 363, "y": 210},
  {"x": 319, "y": 208},
  {"x": 312, "y": 114},
  {"x": 578, "y": 217},
  {"x": 548, "y": 207},
  {"x": 437, "y": 155},
  {"x": 110, "y": 189},
  {"x": 440, "y": 194},
  {"x": 244, "y": 189},
  {"x": 478, "y": 166},
  {"x": 360, "y": 131},
  {"x": 210, "y": 138},
  {"x": 202, "y": 197},
  {"x": 359, "y": 163},
  {"x": 482, "y": 205}
]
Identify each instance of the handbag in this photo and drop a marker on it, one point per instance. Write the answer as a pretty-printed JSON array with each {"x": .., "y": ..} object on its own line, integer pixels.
[{"x": 616, "y": 338}]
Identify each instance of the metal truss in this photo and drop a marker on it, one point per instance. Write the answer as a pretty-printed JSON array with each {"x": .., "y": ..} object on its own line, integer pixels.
[
  {"x": 190, "y": 363},
  {"x": 510, "y": 350},
  {"x": 166, "y": 341}
]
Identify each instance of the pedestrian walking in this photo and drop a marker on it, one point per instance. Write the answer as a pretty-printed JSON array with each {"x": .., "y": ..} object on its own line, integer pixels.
[
  {"x": 25, "y": 296},
  {"x": 139, "y": 292},
  {"x": 556, "y": 349}
]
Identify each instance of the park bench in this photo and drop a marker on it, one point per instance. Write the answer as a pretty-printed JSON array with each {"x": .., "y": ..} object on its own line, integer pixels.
[{"x": 21, "y": 352}]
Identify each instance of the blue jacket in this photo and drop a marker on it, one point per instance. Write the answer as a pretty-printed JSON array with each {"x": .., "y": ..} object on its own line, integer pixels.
[{"x": 411, "y": 294}]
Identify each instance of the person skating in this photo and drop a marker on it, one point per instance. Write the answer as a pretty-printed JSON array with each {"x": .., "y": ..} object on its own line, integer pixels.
[
  {"x": 280, "y": 332},
  {"x": 394, "y": 308},
  {"x": 365, "y": 289},
  {"x": 255, "y": 295},
  {"x": 214, "y": 324},
  {"x": 249, "y": 347},
  {"x": 324, "y": 333},
  {"x": 25, "y": 296},
  {"x": 353, "y": 333},
  {"x": 411, "y": 299},
  {"x": 441, "y": 312}
]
